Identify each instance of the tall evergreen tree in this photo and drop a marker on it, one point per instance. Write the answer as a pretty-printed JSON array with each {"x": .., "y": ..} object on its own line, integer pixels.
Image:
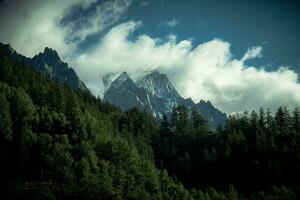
[
  {"x": 165, "y": 130},
  {"x": 199, "y": 123},
  {"x": 262, "y": 119},
  {"x": 296, "y": 120},
  {"x": 5, "y": 121}
]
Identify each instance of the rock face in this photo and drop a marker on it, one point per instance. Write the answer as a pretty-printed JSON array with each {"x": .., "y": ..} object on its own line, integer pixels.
[
  {"x": 152, "y": 92},
  {"x": 49, "y": 64},
  {"x": 155, "y": 93},
  {"x": 124, "y": 93}
]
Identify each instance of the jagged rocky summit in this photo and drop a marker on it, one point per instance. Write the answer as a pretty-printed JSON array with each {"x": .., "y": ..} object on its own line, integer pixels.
[
  {"x": 155, "y": 93},
  {"x": 49, "y": 64},
  {"x": 152, "y": 92}
]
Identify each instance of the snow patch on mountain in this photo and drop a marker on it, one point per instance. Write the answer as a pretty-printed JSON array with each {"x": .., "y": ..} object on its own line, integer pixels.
[{"x": 154, "y": 92}]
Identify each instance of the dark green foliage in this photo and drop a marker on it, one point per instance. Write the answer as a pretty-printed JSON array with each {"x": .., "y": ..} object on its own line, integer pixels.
[
  {"x": 5, "y": 121},
  {"x": 56, "y": 143},
  {"x": 260, "y": 148}
]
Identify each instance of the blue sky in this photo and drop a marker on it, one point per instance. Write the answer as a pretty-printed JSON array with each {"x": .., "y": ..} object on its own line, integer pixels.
[
  {"x": 240, "y": 55},
  {"x": 275, "y": 25}
]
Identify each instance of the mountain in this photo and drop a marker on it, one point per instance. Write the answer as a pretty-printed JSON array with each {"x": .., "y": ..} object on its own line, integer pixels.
[
  {"x": 124, "y": 93},
  {"x": 155, "y": 93},
  {"x": 152, "y": 92},
  {"x": 49, "y": 64},
  {"x": 158, "y": 84}
]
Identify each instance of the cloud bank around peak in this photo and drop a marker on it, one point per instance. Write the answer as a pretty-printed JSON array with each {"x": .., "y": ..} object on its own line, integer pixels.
[
  {"x": 206, "y": 71},
  {"x": 209, "y": 71}
]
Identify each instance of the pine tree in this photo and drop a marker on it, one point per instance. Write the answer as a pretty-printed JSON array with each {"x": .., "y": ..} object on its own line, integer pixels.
[
  {"x": 245, "y": 121},
  {"x": 269, "y": 120},
  {"x": 5, "y": 121},
  {"x": 199, "y": 123},
  {"x": 261, "y": 119},
  {"x": 174, "y": 118},
  {"x": 183, "y": 121},
  {"x": 296, "y": 120},
  {"x": 165, "y": 131},
  {"x": 280, "y": 119},
  {"x": 254, "y": 120}
]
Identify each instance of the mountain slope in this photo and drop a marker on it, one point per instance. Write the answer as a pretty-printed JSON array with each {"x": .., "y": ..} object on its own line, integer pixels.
[
  {"x": 124, "y": 93},
  {"x": 49, "y": 64},
  {"x": 59, "y": 144},
  {"x": 158, "y": 84},
  {"x": 155, "y": 93}
]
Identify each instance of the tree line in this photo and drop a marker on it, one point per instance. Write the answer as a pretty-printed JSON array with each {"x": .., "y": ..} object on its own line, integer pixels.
[
  {"x": 254, "y": 151},
  {"x": 57, "y": 143}
]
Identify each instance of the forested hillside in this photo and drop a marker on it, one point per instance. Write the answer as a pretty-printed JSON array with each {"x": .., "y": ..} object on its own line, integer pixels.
[
  {"x": 254, "y": 151},
  {"x": 56, "y": 143}
]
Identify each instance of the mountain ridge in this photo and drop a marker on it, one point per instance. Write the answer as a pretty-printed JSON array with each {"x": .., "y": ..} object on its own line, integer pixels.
[
  {"x": 49, "y": 64},
  {"x": 152, "y": 91},
  {"x": 155, "y": 93}
]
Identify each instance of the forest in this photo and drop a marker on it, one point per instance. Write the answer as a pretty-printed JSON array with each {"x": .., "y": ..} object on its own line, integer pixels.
[{"x": 57, "y": 143}]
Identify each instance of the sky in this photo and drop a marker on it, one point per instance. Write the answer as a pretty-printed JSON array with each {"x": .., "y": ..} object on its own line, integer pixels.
[{"x": 240, "y": 55}]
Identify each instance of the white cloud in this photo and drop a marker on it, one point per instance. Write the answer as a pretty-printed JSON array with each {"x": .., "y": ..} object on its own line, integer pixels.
[
  {"x": 116, "y": 53},
  {"x": 105, "y": 14},
  {"x": 254, "y": 52},
  {"x": 30, "y": 26},
  {"x": 208, "y": 71},
  {"x": 145, "y": 3},
  {"x": 170, "y": 23}
]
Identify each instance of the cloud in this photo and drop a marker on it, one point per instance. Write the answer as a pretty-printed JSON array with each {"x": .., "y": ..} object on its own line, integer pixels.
[
  {"x": 209, "y": 71},
  {"x": 170, "y": 23},
  {"x": 31, "y": 25},
  {"x": 254, "y": 52},
  {"x": 145, "y": 3},
  {"x": 116, "y": 53},
  {"x": 206, "y": 71},
  {"x": 93, "y": 18}
]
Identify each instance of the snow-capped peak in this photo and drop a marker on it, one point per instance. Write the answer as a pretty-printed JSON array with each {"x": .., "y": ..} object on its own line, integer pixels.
[
  {"x": 155, "y": 93},
  {"x": 120, "y": 80},
  {"x": 158, "y": 84}
]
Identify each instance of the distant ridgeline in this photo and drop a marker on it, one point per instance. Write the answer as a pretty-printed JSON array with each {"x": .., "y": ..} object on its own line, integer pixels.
[
  {"x": 49, "y": 64},
  {"x": 155, "y": 93}
]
